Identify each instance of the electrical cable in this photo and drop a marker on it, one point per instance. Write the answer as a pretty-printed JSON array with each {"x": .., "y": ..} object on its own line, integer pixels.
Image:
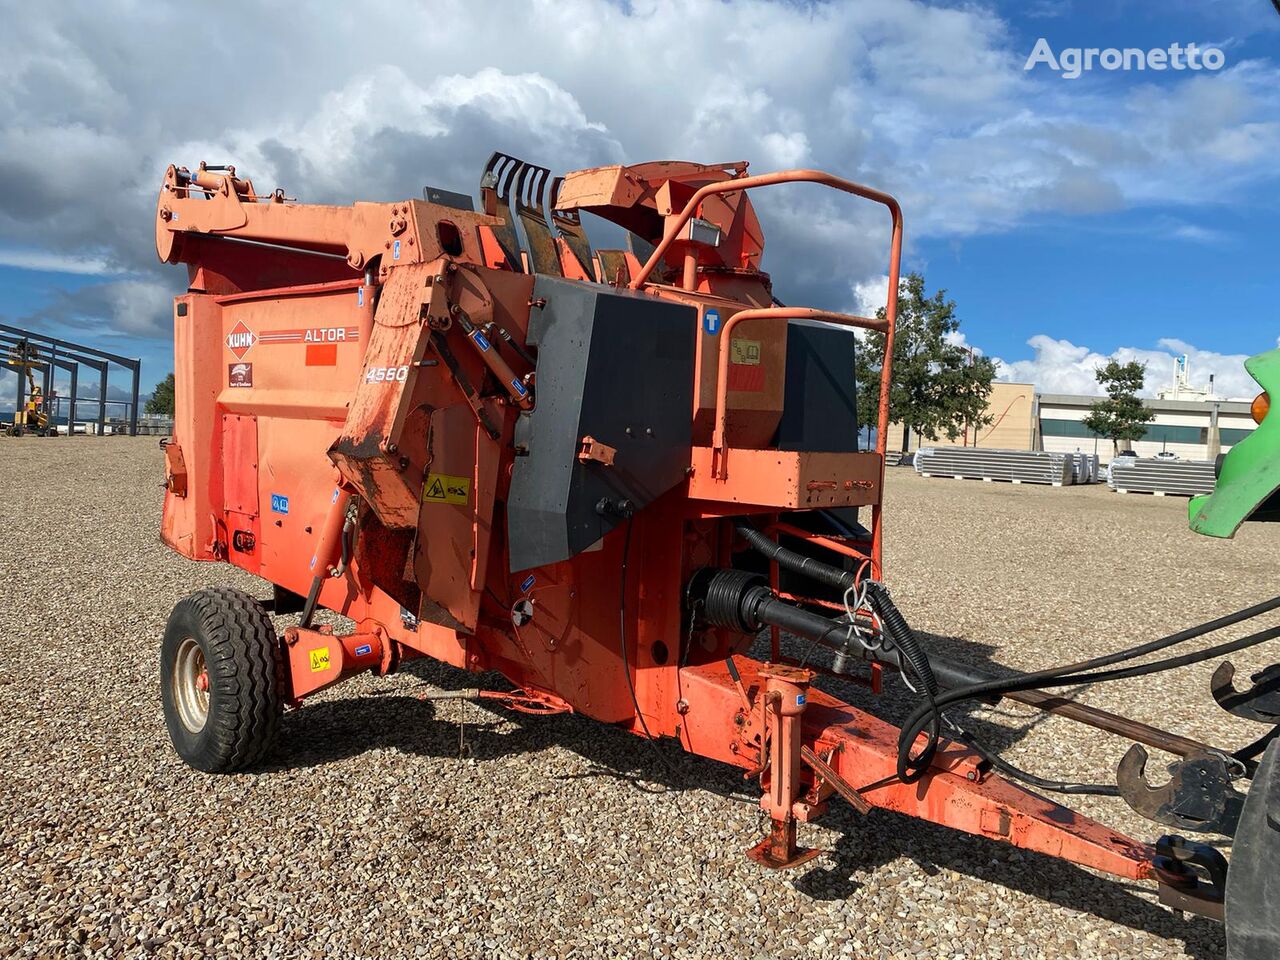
[
  {"x": 622, "y": 645},
  {"x": 997, "y": 688},
  {"x": 928, "y": 717},
  {"x": 1017, "y": 773}
]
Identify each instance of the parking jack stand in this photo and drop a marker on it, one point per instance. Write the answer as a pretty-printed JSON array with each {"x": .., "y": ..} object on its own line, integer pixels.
[{"x": 786, "y": 692}]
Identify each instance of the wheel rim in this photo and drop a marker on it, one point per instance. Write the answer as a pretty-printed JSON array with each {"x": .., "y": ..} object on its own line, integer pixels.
[{"x": 191, "y": 685}]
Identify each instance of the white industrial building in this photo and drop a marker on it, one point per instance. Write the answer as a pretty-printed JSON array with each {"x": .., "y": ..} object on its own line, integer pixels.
[
  {"x": 1190, "y": 422},
  {"x": 1193, "y": 429}
]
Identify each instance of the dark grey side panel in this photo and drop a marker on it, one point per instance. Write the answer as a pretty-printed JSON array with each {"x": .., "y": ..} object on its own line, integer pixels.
[
  {"x": 615, "y": 366},
  {"x": 819, "y": 411}
]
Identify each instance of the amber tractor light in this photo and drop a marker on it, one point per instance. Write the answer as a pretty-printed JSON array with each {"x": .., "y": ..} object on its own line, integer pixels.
[{"x": 1261, "y": 404}]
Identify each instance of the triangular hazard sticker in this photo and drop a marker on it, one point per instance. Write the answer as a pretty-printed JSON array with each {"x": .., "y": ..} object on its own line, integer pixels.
[{"x": 435, "y": 491}]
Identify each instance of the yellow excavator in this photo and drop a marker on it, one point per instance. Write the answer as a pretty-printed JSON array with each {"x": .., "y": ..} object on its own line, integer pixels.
[{"x": 35, "y": 415}]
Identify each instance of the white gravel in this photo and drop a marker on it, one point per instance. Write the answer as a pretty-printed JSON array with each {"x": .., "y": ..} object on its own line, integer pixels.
[{"x": 369, "y": 837}]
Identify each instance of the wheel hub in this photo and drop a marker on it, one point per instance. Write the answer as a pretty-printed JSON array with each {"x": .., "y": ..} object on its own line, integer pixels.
[{"x": 191, "y": 685}]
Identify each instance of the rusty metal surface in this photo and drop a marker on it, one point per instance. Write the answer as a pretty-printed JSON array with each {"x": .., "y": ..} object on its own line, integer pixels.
[
  {"x": 1197, "y": 797},
  {"x": 1260, "y": 701},
  {"x": 568, "y": 226},
  {"x": 779, "y": 851},
  {"x": 499, "y": 176},
  {"x": 1110, "y": 722},
  {"x": 612, "y": 267},
  {"x": 531, "y": 185},
  {"x": 837, "y": 783}
]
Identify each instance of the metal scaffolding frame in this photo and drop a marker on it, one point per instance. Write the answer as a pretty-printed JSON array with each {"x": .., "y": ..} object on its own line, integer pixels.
[
  {"x": 68, "y": 352},
  {"x": 70, "y": 362}
]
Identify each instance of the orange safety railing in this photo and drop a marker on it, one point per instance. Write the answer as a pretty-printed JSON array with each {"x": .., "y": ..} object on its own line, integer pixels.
[{"x": 676, "y": 224}]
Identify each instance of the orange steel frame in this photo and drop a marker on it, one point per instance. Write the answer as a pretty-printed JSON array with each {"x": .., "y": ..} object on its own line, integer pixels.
[{"x": 309, "y": 465}]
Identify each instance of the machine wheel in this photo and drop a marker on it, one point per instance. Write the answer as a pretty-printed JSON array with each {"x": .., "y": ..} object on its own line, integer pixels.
[
  {"x": 221, "y": 680},
  {"x": 1253, "y": 882}
]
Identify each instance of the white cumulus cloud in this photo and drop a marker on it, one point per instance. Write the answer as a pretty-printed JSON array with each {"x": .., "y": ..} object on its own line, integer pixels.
[
  {"x": 372, "y": 101},
  {"x": 1060, "y": 366}
]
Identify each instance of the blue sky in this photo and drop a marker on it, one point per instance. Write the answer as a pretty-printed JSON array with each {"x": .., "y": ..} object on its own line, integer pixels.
[
  {"x": 1129, "y": 214},
  {"x": 1201, "y": 270}
]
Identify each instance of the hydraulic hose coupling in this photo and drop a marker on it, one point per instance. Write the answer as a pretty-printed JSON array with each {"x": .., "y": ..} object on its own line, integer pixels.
[{"x": 899, "y": 633}]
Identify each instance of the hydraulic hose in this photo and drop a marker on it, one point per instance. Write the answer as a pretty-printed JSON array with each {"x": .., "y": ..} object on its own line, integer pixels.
[
  {"x": 894, "y": 625},
  {"x": 746, "y": 604},
  {"x": 896, "y": 635},
  {"x": 795, "y": 562},
  {"x": 739, "y": 600},
  {"x": 1060, "y": 677}
]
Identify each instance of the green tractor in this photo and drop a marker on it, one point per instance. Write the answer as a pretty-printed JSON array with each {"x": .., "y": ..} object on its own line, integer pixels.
[
  {"x": 1248, "y": 476},
  {"x": 1248, "y": 488}
]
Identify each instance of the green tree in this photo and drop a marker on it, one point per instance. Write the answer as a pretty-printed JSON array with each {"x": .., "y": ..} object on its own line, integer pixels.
[
  {"x": 939, "y": 387},
  {"x": 161, "y": 399},
  {"x": 1122, "y": 415}
]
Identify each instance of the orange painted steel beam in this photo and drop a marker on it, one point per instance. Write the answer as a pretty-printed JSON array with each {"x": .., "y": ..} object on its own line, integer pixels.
[{"x": 955, "y": 793}]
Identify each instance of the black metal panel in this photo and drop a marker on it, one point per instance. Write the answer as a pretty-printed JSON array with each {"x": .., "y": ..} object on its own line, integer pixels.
[
  {"x": 448, "y": 198},
  {"x": 615, "y": 366},
  {"x": 819, "y": 412}
]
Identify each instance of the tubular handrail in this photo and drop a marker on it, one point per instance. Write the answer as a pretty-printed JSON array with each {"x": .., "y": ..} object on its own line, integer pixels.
[
  {"x": 726, "y": 342},
  {"x": 676, "y": 224}
]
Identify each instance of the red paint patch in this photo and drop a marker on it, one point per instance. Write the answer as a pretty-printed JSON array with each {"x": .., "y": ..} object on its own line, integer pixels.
[
  {"x": 746, "y": 376},
  {"x": 322, "y": 354}
]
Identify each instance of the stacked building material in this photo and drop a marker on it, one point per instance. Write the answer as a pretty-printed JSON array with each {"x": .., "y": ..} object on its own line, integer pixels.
[
  {"x": 978, "y": 463},
  {"x": 1179, "y": 478},
  {"x": 1084, "y": 467}
]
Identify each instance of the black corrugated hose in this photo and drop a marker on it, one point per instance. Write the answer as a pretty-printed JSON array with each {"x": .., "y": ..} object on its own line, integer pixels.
[
  {"x": 928, "y": 717},
  {"x": 893, "y": 627}
]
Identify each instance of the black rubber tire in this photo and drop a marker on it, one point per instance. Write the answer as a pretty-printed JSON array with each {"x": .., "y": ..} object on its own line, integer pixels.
[
  {"x": 243, "y": 658},
  {"x": 1253, "y": 879}
]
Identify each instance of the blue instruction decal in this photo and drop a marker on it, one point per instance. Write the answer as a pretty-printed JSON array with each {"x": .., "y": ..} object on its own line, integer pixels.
[
  {"x": 801, "y": 700},
  {"x": 364, "y": 650},
  {"x": 279, "y": 503},
  {"x": 395, "y": 251},
  {"x": 480, "y": 340},
  {"x": 711, "y": 322},
  {"x": 528, "y": 582}
]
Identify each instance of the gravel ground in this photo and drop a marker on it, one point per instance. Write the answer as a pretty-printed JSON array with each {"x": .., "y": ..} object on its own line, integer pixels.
[{"x": 369, "y": 837}]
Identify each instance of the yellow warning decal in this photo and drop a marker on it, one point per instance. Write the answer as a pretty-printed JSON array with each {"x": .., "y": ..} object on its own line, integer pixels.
[
  {"x": 442, "y": 488},
  {"x": 744, "y": 351},
  {"x": 320, "y": 660}
]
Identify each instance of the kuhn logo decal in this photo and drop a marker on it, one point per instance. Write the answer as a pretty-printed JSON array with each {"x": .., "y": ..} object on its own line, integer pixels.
[{"x": 240, "y": 339}]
